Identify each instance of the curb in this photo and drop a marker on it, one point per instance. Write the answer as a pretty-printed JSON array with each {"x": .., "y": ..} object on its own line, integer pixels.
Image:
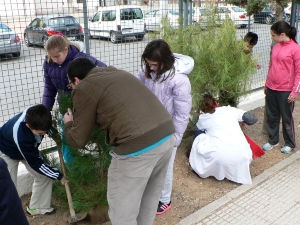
[{"x": 199, "y": 215}]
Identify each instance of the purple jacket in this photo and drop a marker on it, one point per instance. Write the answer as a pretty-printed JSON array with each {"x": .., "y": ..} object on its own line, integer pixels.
[
  {"x": 174, "y": 93},
  {"x": 56, "y": 80}
]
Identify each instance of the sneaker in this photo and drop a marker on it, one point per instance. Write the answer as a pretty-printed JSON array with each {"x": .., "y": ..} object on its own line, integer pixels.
[
  {"x": 163, "y": 207},
  {"x": 286, "y": 149},
  {"x": 268, "y": 146},
  {"x": 40, "y": 211}
]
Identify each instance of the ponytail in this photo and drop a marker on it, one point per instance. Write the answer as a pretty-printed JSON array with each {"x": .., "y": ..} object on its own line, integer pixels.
[{"x": 283, "y": 27}]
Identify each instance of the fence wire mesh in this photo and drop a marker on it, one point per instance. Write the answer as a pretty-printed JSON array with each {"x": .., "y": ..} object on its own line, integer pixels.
[{"x": 22, "y": 80}]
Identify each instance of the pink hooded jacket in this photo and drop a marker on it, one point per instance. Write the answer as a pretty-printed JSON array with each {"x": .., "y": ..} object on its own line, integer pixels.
[
  {"x": 174, "y": 93},
  {"x": 284, "y": 68}
]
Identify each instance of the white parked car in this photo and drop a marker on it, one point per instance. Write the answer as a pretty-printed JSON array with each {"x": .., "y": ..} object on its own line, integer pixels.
[
  {"x": 236, "y": 14},
  {"x": 118, "y": 22},
  {"x": 206, "y": 15},
  {"x": 154, "y": 17}
]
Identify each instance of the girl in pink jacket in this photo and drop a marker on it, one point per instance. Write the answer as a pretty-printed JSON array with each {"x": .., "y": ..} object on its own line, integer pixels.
[
  {"x": 282, "y": 86},
  {"x": 165, "y": 74}
]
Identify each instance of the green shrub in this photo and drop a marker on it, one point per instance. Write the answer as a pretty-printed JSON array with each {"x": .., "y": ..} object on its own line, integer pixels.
[
  {"x": 221, "y": 66},
  {"x": 87, "y": 172}
]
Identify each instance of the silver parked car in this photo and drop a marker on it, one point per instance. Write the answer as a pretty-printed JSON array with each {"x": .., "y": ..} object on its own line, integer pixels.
[{"x": 9, "y": 41}]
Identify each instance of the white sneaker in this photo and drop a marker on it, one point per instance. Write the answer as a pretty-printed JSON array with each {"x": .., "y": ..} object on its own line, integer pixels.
[
  {"x": 40, "y": 211},
  {"x": 268, "y": 146}
]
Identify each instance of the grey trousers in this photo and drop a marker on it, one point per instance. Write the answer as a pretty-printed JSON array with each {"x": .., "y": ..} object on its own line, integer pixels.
[
  {"x": 135, "y": 184},
  {"x": 42, "y": 185},
  {"x": 277, "y": 107},
  {"x": 167, "y": 189}
]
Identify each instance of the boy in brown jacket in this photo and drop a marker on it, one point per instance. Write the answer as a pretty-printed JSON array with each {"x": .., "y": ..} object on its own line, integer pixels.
[{"x": 139, "y": 127}]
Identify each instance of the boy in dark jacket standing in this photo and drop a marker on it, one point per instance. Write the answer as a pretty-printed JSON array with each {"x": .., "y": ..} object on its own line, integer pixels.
[
  {"x": 11, "y": 211},
  {"x": 20, "y": 138}
]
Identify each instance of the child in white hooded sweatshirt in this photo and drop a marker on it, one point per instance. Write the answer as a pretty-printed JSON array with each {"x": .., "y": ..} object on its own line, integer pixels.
[{"x": 165, "y": 74}]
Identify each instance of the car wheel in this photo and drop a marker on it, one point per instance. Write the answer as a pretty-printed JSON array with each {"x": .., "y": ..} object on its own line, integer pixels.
[
  {"x": 288, "y": 18},
  {"x": 91, "y": 36},
  {"x": 113, "y": 37},
  {"x": 268, "y": 20},
  {"x": 139, "y": 37},
  {"x": 16, "y": 54},
  {"x": 28, "y": 44}
]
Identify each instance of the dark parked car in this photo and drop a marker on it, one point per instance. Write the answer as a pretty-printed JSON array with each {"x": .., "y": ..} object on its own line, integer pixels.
[
  {"x": 266, "y": 16},
  {"x": 9, "y": 41},
  {"x": 41, "y": 28}
]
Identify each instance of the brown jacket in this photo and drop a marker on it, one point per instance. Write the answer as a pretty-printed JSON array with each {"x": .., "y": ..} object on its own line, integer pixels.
[{"x": 119, "y": 103}]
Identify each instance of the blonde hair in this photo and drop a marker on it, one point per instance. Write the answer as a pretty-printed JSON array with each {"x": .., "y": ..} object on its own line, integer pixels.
[{"x": 58, "y": 43}]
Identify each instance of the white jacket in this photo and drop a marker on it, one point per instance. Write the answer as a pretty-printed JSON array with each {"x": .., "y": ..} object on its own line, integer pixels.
[{"x": 174, "y": 93}]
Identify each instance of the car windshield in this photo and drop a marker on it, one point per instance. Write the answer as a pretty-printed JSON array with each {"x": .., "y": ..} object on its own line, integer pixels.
[
  {"x": 267, "y": 9},
  {"x": 4, "y": 28},
  {"x": 237, "y": 9},
  {"x": 149, "y": 14},
  {"x": 62, "y": 21}
]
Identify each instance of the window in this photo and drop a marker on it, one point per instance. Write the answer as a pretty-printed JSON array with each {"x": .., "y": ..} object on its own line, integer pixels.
[
  {"x": 4, "y": 28},
  {"x": 158, "y": 13},
  {"x": 237, "y": 9},
  {"x": 34, "y": 23},
  {"x": 150, "y": 14},
  {"x": 109, "y": 15},
  {"x": 97, "y": 16},
  {"x": 174, "y": 12},
  {"x": 132, "y": 13}
]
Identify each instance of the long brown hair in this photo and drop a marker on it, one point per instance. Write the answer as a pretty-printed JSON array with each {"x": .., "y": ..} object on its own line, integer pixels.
[
  {"x": 58, "y": 43},
  {"x": 159, "y": 51}
]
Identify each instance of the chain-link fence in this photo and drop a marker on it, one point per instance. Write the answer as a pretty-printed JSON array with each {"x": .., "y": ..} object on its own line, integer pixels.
[{"x": 22, "y": 80}]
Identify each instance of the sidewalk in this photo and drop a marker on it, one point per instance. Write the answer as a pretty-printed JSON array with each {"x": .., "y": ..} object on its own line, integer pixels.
[{"x": 273, "y": 198}]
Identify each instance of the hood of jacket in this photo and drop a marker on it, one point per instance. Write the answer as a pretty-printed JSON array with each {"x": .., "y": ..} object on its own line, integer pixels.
[
  {"x": 80, "y": 44},
  {"x": 183, "y": 64}
]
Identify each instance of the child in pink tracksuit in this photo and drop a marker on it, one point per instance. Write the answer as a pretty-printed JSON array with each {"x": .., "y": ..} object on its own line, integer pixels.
[{"x": 282, "y": 86}]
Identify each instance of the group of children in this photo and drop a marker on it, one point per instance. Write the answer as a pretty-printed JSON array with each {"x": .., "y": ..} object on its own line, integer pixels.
[
  {"x": 220, "y": 149},
  {"x": 165, "y": 74}
]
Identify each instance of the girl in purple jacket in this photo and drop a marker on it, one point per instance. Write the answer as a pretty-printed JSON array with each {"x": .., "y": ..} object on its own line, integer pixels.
[
  {"x": 165, "y": 74},
  {"x": 282, "y": 86},
  {"x": 61, "y": 52}
]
